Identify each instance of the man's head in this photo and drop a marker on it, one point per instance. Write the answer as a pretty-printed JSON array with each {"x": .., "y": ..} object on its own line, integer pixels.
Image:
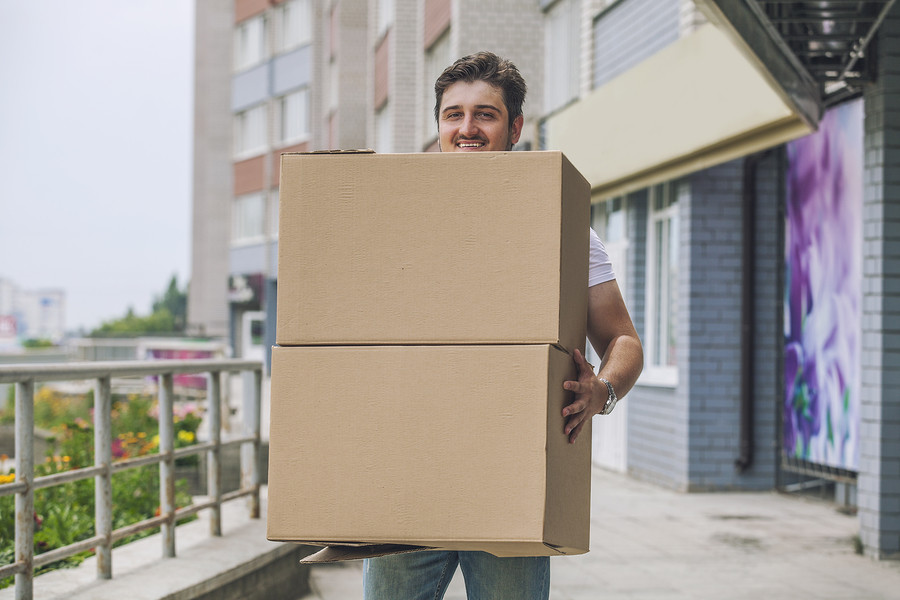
[{"x": 478, "y": 104}]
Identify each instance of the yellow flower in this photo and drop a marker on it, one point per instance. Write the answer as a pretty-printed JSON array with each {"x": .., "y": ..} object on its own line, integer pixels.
[
  {"x": 7, "y": 478},
  {"x": 186, "y": 436},
  {"x": 66, "y": 459}
]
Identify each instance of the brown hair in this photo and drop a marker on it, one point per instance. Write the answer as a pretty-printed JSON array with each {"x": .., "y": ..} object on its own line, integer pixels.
[{"x": 484, "y": 66}]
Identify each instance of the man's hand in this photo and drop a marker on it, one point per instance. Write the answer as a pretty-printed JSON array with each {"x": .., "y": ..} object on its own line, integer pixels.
[{"x": 590, "y": 398}]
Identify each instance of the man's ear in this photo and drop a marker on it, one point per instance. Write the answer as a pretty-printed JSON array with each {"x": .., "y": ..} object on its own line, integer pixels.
[{"x": 515, "y": 129}]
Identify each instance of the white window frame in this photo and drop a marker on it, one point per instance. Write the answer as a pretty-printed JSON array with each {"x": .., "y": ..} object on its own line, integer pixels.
[
  {"x": 294, "y": 25},
  {"x": 562, "y": 53},
  {"x": 274, "y": 201},
  {"x": 385, "y": 16},
  {"x": 663, "y": 210},
  {"x": 250, "y": 43},
  {"x": 605, "y": 216},
  {"x": 251, "y": 131},
  {"x": 294, "y": 128},
  {"x": 248, "y": 221}
]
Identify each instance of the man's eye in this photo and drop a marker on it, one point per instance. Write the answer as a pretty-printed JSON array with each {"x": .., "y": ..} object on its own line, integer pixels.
[{"x": 486, "y": 115}]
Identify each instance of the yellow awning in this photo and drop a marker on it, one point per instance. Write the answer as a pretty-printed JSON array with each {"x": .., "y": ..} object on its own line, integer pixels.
[{"x": 699, "y": 102}]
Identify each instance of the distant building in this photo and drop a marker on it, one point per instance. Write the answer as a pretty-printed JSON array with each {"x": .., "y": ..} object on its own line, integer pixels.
[{"x": 31, "y": 314}]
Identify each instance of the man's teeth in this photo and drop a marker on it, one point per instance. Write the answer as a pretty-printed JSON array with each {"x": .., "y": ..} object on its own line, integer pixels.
[{"x": 470, "y": 144}]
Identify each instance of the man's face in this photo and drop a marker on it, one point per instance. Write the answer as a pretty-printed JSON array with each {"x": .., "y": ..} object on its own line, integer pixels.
[{"x": 473, "y": 118}]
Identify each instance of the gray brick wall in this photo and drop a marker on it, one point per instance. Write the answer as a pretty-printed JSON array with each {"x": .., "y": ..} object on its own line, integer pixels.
[
  {"x": 769, "y": 328},
  {"x": 713, "y": 323},
  {"x": 878, "y": 492},
  {"x": 688, "y": 437}
]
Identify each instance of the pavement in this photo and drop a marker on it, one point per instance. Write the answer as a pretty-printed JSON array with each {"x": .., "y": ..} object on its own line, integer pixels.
[
  {"x": 650, "y": 543},
  {"x": 647, "y": 542}
]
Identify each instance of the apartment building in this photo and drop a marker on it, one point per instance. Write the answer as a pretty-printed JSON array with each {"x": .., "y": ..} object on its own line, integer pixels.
[{"x": 279, "y": 76}]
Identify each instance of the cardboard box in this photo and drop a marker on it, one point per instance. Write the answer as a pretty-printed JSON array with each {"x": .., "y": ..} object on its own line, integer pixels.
[
  {"x": 457, "y": 248},
  {"x": 456, "y": 447}
]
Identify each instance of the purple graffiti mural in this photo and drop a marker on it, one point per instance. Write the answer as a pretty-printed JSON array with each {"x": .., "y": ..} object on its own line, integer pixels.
[{"x": 823, "y": 291}]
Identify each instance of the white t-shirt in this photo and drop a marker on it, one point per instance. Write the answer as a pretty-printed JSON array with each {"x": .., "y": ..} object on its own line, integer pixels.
[{"x": 600, "y": 269}]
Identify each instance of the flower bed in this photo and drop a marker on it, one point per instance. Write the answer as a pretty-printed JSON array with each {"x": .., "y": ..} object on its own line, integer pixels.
[{"x": 64, "y": 514}]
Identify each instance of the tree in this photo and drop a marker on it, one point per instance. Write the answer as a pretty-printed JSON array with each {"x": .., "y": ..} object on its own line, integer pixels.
[
  {"x": 169, "y": 316},
  {"x": 175, "y": 301}
]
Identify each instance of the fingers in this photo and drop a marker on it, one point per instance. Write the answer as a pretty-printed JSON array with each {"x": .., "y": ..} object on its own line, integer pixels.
[
  {"x": 576, "y": 386},
  {"x": 573, "y": 430},
  {"x": 582, "y": 363},
  {"x": 575, "y": 413}
]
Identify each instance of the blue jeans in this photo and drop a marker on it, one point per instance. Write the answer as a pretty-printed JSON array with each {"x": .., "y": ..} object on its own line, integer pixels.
[{"x": 425, "y": 576}]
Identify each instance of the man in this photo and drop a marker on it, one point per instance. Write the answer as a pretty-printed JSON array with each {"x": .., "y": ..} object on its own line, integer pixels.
[{"x": 478, "y": 108}]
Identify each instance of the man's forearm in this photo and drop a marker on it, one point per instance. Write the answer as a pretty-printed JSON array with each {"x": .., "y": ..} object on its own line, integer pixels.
[{"x": 622, "y": 362}]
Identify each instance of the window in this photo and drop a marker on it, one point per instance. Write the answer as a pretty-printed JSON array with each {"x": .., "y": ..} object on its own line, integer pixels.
[
  {"x": 662, "y": 280},
  {"x": 249, "y": 218},
  {"x": 249, "y": 43},
  {"x": 437, "y": 58},
  {"x": 608, "y": 218},
  {"x": 250, "y": 131},
  {"x": 384, "y": 140},
  {"x": 385, "y": 16},
  {"x": 333, "y": 80},
  {"x": 274, "y": 196},
  {"x": 294, "y": 24},
  {"x": 561, "y": 54},
  {"x": 294, "y": 111}
]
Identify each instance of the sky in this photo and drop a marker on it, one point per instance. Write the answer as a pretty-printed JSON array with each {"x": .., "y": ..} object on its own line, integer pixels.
[{"x": 96, "y": 122}]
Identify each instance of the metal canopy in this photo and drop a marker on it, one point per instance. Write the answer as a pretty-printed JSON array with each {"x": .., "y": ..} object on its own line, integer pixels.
[{"x": 829, "y": 39}]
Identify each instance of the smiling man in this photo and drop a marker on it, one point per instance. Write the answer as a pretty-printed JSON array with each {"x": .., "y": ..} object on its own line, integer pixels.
[
  {"x": 478, "y": 108},
  {"x": 479, "y": 104}
]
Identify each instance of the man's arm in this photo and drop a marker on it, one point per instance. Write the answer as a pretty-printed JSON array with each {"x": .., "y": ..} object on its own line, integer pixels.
[{"x": 612, "y": 334}]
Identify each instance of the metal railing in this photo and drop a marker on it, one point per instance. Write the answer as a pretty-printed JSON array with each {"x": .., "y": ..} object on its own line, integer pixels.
[{"x": 25, "y": 376}]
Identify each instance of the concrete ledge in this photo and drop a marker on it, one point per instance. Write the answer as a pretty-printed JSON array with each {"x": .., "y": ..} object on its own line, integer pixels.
[{"x": 242, "y": 564}]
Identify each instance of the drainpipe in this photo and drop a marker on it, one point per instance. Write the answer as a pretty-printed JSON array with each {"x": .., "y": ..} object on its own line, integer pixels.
[{"x": 748, "y": 309}]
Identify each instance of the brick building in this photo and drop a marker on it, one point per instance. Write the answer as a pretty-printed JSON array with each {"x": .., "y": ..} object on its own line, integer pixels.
[{"x": 743, "y": 175}]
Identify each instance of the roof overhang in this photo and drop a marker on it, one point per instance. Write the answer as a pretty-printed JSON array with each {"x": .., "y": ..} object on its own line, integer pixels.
[
  {"x": 747, "y": 27},
  {"x": 701, "y": 101}
]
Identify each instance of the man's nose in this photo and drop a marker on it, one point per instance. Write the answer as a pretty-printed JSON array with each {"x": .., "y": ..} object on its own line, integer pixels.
[{"x": 468, "y": 126}]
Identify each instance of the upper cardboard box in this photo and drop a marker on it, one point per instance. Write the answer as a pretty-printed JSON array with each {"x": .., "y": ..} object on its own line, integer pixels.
[{"x": 433, "y": 248}]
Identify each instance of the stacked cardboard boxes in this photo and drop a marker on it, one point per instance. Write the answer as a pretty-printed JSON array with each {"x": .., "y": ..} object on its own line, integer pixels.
[{"x": 428, "y": 305}]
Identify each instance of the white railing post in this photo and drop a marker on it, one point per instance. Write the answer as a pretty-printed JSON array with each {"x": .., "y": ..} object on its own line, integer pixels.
[
  {"x": 25, "y": 499},
  {"x": 167, "y": 466},
  {"x": 256, "y": 416},
  {"x": 103, "y": 481},
  {"x": 214, "y": 462}
]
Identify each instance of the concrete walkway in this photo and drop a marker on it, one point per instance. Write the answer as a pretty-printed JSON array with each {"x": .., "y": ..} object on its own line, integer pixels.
[{"x": 650, "y": 543}]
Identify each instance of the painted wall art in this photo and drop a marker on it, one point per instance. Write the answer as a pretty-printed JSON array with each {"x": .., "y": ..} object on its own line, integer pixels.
[{"x": 823, "y": 291}]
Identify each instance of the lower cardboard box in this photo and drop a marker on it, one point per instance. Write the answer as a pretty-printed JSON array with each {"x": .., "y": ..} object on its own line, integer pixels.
[{"x": 450, "y": 447}]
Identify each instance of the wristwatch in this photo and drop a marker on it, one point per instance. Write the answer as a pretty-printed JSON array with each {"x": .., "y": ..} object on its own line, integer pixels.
[{"x": 611, "y": 400}]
